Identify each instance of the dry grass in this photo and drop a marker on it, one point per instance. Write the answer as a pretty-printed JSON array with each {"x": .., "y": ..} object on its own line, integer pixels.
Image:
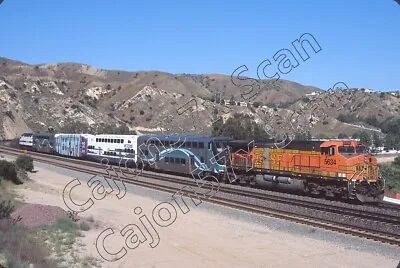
[
  {"x": 48, "y": 246},
  {"x": 21, "y": 246},
  {"x": 62, "y": 238},
  {"x": 6, "y": 186}
]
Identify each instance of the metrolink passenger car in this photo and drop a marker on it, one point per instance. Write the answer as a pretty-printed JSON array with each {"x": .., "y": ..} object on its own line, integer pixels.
[
  {"x": 114, "y": 148},
  {"x": 191, "y": 155},
  {"x": 71, "y": 145}
]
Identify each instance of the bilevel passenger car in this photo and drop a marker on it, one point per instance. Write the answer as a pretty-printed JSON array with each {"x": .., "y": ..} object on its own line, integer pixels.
[
  {"x": 117, "y": 149},
  {"x": 43, "y": 143},
  {"x": 332, "y": 168},
  {"x": 71, "y": 145},
  {"x": 26, "y": 141},
  {"x": 190, "y": 155}
]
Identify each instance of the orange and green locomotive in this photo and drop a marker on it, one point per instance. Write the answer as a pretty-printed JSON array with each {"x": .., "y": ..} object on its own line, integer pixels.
[{"x": 334, "y": 168}]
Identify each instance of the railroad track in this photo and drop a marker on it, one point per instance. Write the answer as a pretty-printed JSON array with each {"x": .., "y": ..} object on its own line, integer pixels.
[
  {"x": 387, "y": 205},
  {"x": 311, "y": 203},
  {"x": 158, "y": 182},
  {"x": 384, "y": 205}
]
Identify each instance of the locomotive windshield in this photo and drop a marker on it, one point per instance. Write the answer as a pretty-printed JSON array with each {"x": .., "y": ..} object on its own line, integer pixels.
[
  {"x": 361, "y": 149},
  {"x": 351, "y": 150},
  {"x": 346, "y": 149}
]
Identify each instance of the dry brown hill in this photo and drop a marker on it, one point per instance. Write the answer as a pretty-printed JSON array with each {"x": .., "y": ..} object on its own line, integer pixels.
[{"x": 34, "y": 97}]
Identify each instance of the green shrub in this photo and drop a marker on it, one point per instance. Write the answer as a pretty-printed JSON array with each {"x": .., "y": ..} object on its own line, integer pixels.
[
  {"x": 25, "y": 162},
  {"x": 391, "y": 173},
  {"x": 372, "y": 120},
  {"x": 66, "y": 225},
  {"x": 396, "y": 161},
  {"x": 239, "y": 127},
  {"x": 84, "y": 226},
  {"x": 22, "y": 176},
  {"x": 8, "y": 171},
  {"x": 348, "y": 118},
  {"x": 5, "y": 209}
]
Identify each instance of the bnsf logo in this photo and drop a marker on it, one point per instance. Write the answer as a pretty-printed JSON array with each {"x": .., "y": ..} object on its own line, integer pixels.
[{"x": 360, "y": 168}]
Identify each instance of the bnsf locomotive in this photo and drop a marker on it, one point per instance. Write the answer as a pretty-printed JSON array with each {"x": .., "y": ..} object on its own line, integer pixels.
[{"x": 335, "y": 168}]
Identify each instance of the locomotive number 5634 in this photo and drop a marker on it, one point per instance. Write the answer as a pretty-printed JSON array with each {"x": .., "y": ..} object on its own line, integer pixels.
[{"x": 330, "y": 162}]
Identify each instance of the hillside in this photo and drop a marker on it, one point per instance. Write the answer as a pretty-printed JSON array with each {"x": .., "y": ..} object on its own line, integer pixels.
[{"x": 34, "y": 97}]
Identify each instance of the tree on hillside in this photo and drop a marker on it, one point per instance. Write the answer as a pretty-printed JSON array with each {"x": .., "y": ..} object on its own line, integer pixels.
[
  {"x": 343, "y": 136},
  {"x": 391, "y": 127},
  {"x": 372, "y": 120},
  {"x": 377, "y": 140},
  {"x": 392, "y": 141},
  {"x": 305, "y": 136},
  {"x": 217, "y": 128},
  {"x": 365, "y": 138},
  {"x": 232, "y": 100},
  {"x": 391, "y": 173},
  {"x": 356, "y": 135},
  {"x": 239, "y": 127},
  {"x": 396, "y": 161}
]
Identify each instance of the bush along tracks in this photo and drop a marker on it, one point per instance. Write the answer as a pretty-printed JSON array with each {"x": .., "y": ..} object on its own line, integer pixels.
[{"x": 33, "y": 235}]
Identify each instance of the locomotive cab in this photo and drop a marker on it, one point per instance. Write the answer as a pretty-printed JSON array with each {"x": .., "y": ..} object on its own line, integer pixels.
[
  {"x": 353, "y": 163},
  {"x": 350, "y": 159}
]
